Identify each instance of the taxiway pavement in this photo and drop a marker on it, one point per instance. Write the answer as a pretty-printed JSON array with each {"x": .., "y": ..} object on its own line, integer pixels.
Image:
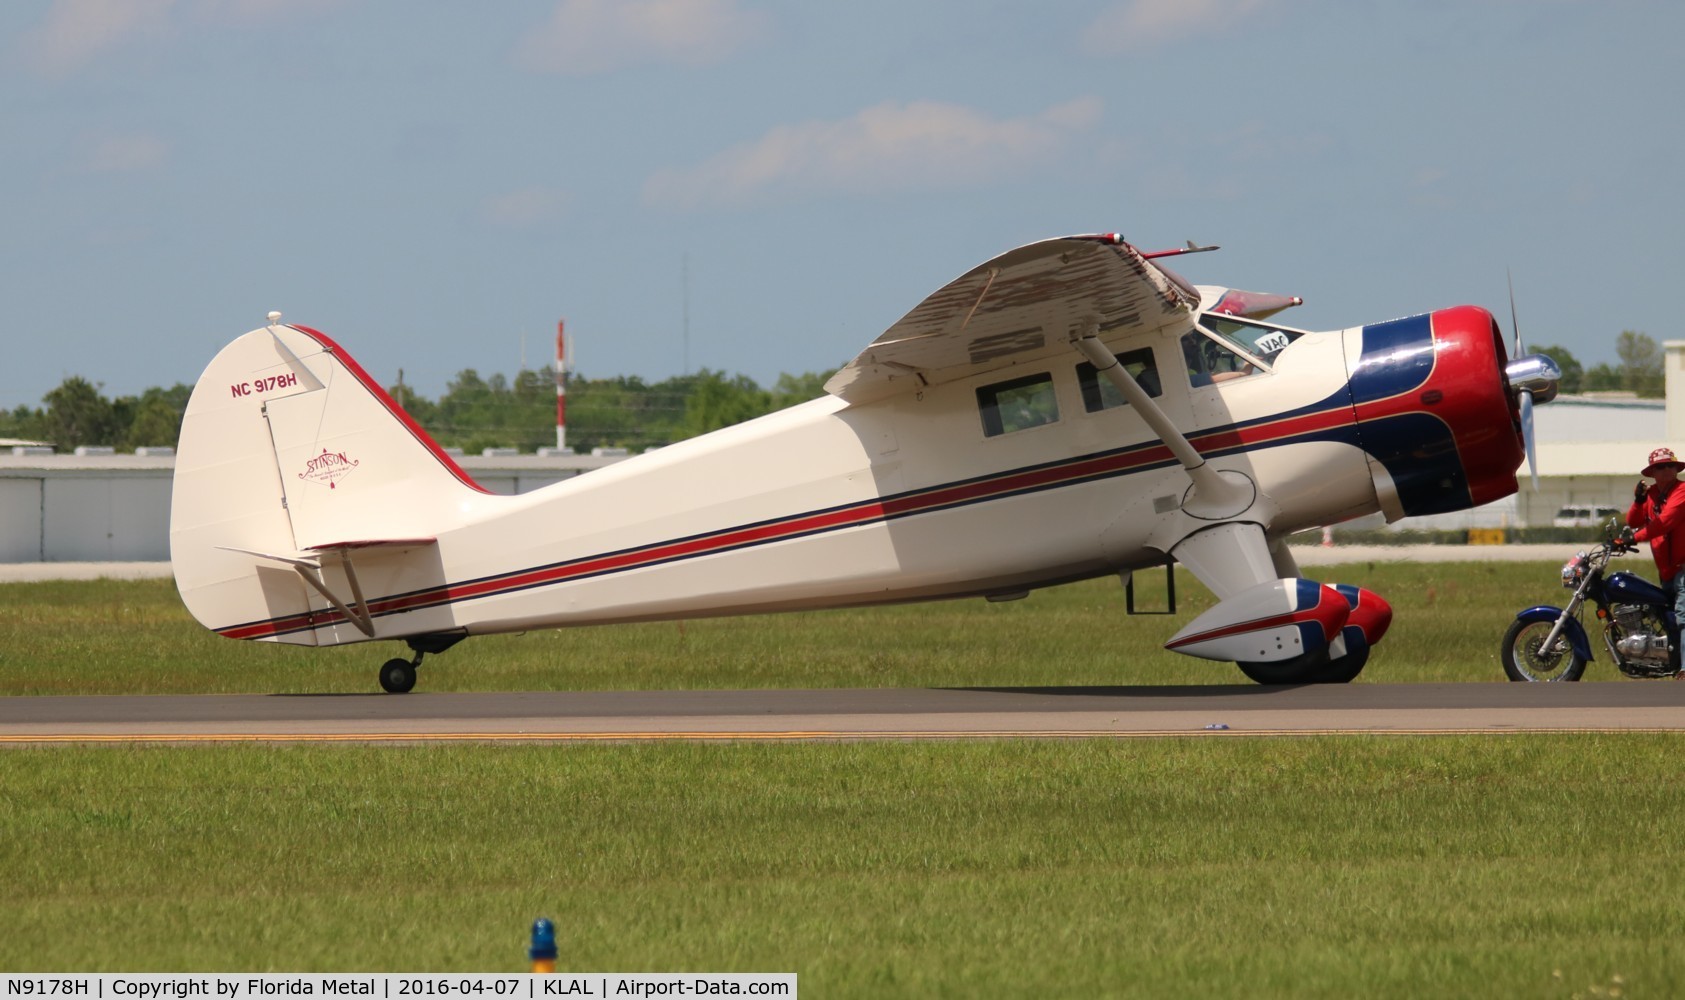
[{"x": 1218, "y": 710}]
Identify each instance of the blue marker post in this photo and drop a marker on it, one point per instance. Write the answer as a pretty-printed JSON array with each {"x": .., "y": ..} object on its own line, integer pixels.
[{"x": 543, "y": 950}]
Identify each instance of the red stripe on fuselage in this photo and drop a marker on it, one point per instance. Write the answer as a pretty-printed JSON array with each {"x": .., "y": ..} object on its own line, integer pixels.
[
  {"x": 1284, "y": 430},
  {"x": 1461, "y": 328},
  {"x": 1144, "y": 455}
]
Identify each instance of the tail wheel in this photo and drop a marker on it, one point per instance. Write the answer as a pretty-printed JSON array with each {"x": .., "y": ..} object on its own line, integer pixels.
[
  {"x": 397, "y": 676},
  {"x": 1526, "y": 659}
]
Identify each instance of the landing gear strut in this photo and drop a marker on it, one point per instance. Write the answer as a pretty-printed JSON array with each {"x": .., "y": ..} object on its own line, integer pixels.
[{"x": 397, "y": 675}]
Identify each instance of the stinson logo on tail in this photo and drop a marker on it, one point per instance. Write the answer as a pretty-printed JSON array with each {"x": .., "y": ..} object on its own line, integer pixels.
[{"x": 328, "y": 467}]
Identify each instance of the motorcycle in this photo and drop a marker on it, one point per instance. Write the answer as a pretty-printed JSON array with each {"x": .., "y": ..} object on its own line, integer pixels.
[{"x": 1639, "y": 630}]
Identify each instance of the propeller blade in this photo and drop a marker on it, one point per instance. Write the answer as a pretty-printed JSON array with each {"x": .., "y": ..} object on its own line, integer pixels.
[
  {"x": 1527, "y": 439},
  {"x": 1514, "y": 324}
]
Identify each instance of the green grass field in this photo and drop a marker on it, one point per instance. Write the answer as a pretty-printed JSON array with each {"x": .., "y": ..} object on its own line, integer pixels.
[
  {"x": 115, "y": 637},
  {"x": 1378, "y": 866},
  {"x": 1389, "y": 866}
]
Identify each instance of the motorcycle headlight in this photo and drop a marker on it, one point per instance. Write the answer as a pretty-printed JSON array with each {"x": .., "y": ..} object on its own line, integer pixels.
[{"x": 1574, "y": 571}]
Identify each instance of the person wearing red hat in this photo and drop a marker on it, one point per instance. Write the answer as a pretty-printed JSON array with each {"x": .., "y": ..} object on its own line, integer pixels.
[{"x": 1657, "y": 516}]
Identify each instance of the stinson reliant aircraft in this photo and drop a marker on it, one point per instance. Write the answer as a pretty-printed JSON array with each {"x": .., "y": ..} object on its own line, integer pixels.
[{"x": 1067, "y": 410}]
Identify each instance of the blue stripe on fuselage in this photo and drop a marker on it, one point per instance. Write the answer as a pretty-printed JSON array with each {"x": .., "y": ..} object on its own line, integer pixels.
[
  {"x": 1417, "y": 449},
  {"x": 1397, "y": 357}
]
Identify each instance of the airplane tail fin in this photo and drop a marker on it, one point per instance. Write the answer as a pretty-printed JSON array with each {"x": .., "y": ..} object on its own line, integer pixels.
[{"x": 291, "y": 456}]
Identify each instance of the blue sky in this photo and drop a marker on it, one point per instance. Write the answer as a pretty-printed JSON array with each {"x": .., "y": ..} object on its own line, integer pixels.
[{"x": 429, "y": 183}]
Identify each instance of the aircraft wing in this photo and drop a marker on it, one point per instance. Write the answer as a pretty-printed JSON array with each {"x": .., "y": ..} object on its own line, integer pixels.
[{"x": 1018, "y": 308}]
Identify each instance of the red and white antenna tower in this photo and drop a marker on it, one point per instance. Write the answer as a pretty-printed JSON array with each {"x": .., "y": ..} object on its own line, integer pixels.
[{"x": 561, "y": 389}]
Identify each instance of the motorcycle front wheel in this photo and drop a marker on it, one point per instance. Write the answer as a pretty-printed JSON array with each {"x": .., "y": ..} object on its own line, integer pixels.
[{"x": 1525, "y": 659}]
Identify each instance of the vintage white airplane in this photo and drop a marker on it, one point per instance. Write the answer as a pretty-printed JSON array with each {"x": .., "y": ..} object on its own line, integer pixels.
[{"x": 1067, "y": 410}]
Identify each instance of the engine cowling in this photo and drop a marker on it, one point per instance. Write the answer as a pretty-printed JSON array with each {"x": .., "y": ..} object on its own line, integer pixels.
[{"x": 1435, "y": 414}]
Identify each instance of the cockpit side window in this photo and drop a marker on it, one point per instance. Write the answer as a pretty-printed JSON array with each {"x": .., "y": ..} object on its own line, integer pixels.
[
  {"x": 1017, "y": 405},
  {"x": 1099, "y": 393}
]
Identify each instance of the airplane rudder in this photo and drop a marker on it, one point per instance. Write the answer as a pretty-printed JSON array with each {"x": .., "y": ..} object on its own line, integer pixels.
[
  {"x": 330, "y": 438},
  {"x": 226, "y": 492}
]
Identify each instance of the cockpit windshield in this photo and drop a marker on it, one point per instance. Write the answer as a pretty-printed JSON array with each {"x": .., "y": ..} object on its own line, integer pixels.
[{"x": 1260, "y": 340}]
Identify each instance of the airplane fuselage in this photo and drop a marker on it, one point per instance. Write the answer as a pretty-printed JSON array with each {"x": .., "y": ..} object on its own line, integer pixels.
[
  {"x": 1065, "y": 410},
  {"x": 828, "y": 504}
]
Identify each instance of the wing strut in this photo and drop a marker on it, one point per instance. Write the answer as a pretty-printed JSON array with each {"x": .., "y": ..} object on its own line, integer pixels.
[{"x": 1212, "y": 492}]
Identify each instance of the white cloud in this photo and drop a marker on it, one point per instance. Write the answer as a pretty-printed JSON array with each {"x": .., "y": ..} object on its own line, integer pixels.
[
  {"x": 595, "y": 36},
  {"x": 126, "y": 153},
  {"x": 256, "y": 11},
  {"x": 1428, "y": 188},
  {"x": 77, "y": 32},
  {"x": 1428, "y": 176},
  {"x": 525, "y": 208},
  {"x": 891, "y": 146},
  {"x": 1139, "y": 24}
]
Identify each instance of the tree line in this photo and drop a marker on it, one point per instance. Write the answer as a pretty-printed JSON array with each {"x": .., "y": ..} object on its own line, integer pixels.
[
  {"x": 622, "y": 411},
  {"x": 78, "y": 413},
  {"x": 1639, "y": 368},
  {"x": 474, "y": 412}
]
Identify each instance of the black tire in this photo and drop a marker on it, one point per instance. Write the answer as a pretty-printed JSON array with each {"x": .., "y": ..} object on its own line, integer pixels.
[
  {"x": 1307, "y": 668},
  {"x": 1344, "y": 669},
  {"x": 397, "y": 676},
  {"x": 1523, "y": 659}
]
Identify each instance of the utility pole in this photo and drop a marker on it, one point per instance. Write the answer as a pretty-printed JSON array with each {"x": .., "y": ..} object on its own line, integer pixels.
[{"x": 561, "y": 390}]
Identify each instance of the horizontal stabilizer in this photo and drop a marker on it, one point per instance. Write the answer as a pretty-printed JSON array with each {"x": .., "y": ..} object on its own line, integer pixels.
[
  {"x": 308, "y": 563},
  {"x": 372, "y": 543},
  {"x": 310, "y": 555},
  {"x": 1273, "y": 621},
  {"x": 290, "y": 558}
]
